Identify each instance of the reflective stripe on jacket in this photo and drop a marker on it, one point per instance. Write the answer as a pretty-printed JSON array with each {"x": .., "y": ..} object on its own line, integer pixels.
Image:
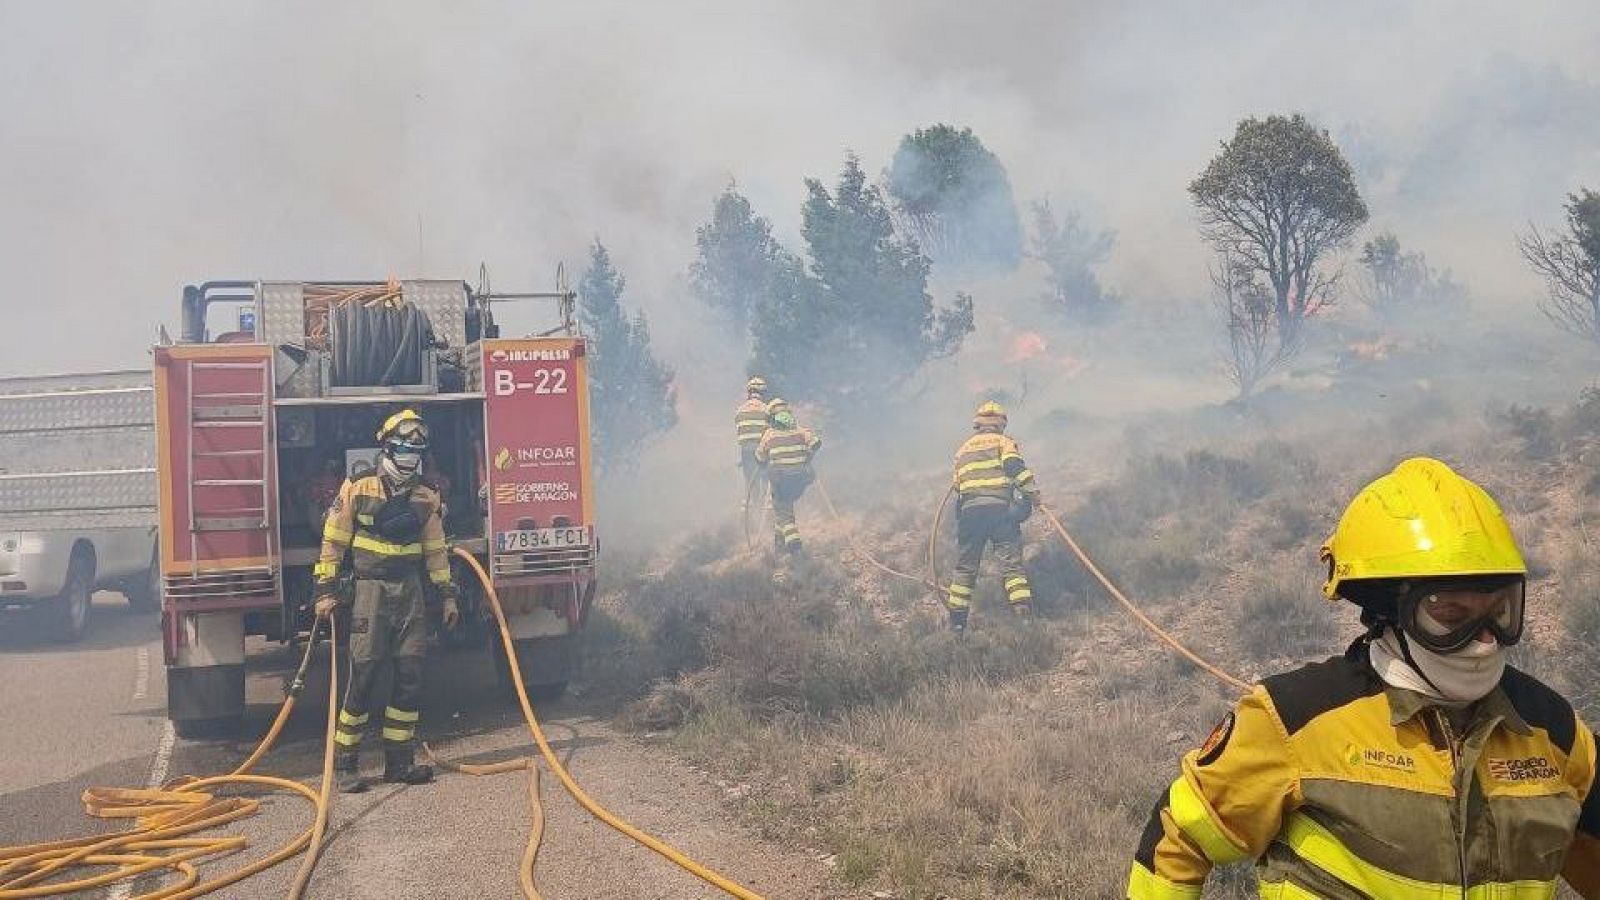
[
  {"x": 1341, "y": 787},
  {"x": 782, "y": 447},
  {"x": 348, "y": 525},
  {"x": 991, "y": 465},
  {"x": 750, "y": 421}
]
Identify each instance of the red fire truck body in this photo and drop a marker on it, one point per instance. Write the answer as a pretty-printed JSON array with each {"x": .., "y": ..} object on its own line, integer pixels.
[{"x": 257, "y": 428}]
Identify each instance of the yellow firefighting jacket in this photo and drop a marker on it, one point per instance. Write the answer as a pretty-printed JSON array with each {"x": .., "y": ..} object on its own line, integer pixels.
[
  {"x": 991, "y": 465},
  {"x": 750, "y": 421},
  {"x": 347, "y": 527},
  {"x": 783, "y": 448},
  {"x": 1341, "y": 787}
]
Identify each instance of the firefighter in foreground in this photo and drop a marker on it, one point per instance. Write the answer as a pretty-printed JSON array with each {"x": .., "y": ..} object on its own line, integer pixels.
[
  {"x": 750, "y": 423},
  {"x": 390, "y": 523},
  {"x": 1416, "y": 765},
  {"x": 995, "y": 494},
  {"x": 786, "y": 450}
]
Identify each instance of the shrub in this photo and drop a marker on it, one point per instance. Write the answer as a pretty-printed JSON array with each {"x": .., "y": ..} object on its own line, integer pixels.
[
  {"x": 1533, "y": 427},
  {"x": 1285, "y": 616}
]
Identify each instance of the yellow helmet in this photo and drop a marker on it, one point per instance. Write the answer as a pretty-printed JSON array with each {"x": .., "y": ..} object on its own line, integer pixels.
[
  {"x": 756, "y": 386},
  {"x": 405, "y": 423},
  {"x": 1420, "y": 521},
  {"x": 777, "y": 405},
  {"x": 990, "y": 415}
]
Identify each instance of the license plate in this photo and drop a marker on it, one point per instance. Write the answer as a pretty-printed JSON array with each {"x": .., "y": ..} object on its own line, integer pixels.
[{"x": 542, "y": 539}]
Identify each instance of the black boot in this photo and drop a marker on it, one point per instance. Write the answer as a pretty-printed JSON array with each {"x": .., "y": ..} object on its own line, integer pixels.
[
  {"x": 958, "y": 620},
  {"x": 347, "y": 769},
  {"x": 399, "y": 766}
]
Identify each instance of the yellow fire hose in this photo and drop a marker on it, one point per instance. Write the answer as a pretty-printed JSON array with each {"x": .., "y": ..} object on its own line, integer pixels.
[
  {"x": 554, "y": 762},
  {"x": 1143, "y": 619},
  {"x": 535, "y": 806},
  {"x": 169, "y": 817},
  {"x": 868, "y": 558}
]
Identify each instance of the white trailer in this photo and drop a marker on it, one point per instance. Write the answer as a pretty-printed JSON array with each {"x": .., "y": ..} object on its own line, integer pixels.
[{"x": 77, "y": 495}]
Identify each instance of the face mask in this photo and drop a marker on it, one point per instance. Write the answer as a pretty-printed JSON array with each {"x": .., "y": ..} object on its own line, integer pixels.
[
  {"x": 401, "y": 467},
  {"x": 1453, "y": 679}
]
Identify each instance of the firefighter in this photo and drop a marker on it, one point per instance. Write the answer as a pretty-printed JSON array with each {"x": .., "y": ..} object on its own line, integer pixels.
[
  {"x": 1418, "y": 764},
  {"x": 390, "y": 522},
  {"x": 749, "y": 423},
  {"x": 786, "y": 450},
  {"x": 995, "y": 494}
]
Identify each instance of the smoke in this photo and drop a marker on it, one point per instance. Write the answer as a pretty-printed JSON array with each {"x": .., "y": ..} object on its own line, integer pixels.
[{"x": 152, "y": 145}]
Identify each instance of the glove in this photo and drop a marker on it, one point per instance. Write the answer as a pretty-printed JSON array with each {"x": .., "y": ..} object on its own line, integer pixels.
[
  {"x": 452, "y": 613},
  {"x": 326, "y": 604},
  {"x": 1022, "y": 510}
]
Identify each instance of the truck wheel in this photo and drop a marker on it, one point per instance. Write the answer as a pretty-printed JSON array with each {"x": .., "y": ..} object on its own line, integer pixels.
[
  {"x": 144, "y": 591},
  {"x": 69, "y": 613}
]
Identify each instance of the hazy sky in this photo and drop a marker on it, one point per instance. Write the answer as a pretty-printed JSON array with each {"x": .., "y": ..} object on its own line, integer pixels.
[{"x": 148, "y": 145}]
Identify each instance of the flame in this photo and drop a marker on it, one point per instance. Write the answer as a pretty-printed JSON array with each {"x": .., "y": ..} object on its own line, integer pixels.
[
  {"x": 502, "y": 460},
  {"x": 1027, "y": 345}
]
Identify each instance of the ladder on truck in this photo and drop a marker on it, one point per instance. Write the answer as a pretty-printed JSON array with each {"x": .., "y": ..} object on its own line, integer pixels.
[{"x": 228, "y": 419}]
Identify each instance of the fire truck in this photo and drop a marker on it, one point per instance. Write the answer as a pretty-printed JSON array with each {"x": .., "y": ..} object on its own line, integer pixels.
[{"x": 259, "y": 420}]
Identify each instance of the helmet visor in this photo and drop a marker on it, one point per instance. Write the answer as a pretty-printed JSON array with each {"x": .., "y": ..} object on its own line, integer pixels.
[{"x": 1447, "y": 615}]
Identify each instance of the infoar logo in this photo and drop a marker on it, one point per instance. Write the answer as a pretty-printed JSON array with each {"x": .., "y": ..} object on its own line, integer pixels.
[
  {"x": 503, "y": 460},
  {"x": 1378, "y": 758}
]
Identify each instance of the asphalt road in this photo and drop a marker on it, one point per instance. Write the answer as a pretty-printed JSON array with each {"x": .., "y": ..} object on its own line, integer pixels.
[{"x": 93, "y": 714}]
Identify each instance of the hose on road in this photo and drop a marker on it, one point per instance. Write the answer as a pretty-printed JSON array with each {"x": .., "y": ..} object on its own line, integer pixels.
[
  {"x": 170, "y": 818},
  {"x": 670, "y": 853}
]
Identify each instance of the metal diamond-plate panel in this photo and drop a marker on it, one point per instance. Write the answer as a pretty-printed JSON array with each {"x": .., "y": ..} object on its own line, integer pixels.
[
  {"x": 474, "y": 361},
  {"x": 445, "y": 302},
  {"x": 78, "y": 520},
  {"x": 102, "y": 491},
  {"x": 88, "y": 450},
  {"x": 282, "y": 312},
  {"x": 54, "y": 411},
  {"x": 297, "y": 376},
  {"x": 75, "y": 381}
]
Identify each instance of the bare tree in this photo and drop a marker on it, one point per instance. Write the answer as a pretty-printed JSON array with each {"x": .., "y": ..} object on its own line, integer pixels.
[
  {"x": 1255, "y": 346},
  {"x": 1569, "y": 262},
  {"x": 1277, "y": 199}
]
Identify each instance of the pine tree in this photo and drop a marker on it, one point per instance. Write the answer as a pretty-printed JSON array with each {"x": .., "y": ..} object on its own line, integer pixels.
[
  {"x": 738, "y": 259},
  {"x": 630, "y": 391},
  {"x": 955, "y": 196},
  {"x": 861, "y": 321}
]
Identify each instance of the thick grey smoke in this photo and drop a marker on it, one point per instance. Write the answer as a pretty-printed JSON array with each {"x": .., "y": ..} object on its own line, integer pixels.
[{"x": 153, "y": 144}]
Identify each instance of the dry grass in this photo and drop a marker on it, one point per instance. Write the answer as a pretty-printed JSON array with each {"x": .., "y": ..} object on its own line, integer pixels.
[{"x": 1022, "y": 761}]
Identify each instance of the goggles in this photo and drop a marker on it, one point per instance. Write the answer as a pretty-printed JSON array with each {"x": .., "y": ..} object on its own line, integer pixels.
[
  {"x": 415, "y": 443},
  {"x": 1445, "y": 615}
]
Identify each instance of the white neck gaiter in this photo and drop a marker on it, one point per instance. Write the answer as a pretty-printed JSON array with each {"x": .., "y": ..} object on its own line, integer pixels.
[
  {"x": 393, "y": 474},
  {"x": 1453, "y": 679}
]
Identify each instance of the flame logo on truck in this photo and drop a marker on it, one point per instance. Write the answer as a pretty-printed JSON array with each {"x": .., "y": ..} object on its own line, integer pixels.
[{"x": 502, "y": 460}]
